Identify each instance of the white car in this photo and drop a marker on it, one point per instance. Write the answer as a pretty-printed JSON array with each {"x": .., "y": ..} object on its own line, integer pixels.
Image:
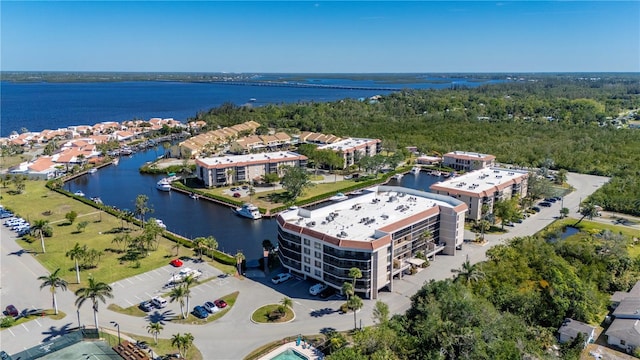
[
  {"x": 282, "y": 277},
  {"x": 159, "y": 302},
  {"x": 317, "y": 289}
]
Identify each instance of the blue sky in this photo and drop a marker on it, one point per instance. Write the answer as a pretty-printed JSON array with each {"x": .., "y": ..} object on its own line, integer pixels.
[{"x": 321, "y": 37}]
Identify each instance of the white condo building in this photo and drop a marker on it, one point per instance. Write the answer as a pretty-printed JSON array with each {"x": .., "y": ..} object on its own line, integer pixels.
[
  {"x": 380, "y": 232},
  {"x": 224, "y": 170},
  {"x": 467, "y": 161},
  {"x": 485, "y": 186},
  {"x": 352, "y": 146}
]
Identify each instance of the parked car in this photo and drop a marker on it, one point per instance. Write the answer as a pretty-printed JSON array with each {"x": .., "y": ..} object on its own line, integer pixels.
[
  {"x": 159, "y": 302},
  {"x": 11, "y": 310},
  {"x": 220, "y": 304},
  {"x": 282, "y": 277},
  {"x": 245, "y": 187},
  {"x": 145, "y": 306},
  {"x": 550, "y": 200},
  {"x": 200, "y": 312},
  {"x": 328, "y": 292},
  {"x": 317, "y": 288},
  {"x": 210, "y": 307},
  {"x": 545, "y": 204},
  {"x": 536, "y": 209},
  {"x": 6, "y": 214},
  {"x": 142, "y": 345},
  {"x": 236, "y": 195},
  {"x": 176, "y": 262}
]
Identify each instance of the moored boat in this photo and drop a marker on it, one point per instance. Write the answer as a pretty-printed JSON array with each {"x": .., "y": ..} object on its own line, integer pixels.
[
  {"x": 416, "y": 170},
  {"x": 163, "y": 185},
  {"x": 249, "y": 211},
  {"x": 92, "y": 171},
  {"x": 339, "y": 197}
]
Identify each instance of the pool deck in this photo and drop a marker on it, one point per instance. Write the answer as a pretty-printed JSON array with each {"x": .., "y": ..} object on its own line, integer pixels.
[{"x": 310, "y": 352}]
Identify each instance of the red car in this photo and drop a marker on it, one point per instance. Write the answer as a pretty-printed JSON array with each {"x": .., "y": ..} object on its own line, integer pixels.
[
  {"x": 176, "y": 262},
  {"x": 236, "y": 195},
  {"x": 220, "y": 304},
  {"x": 12, "y": 311}
]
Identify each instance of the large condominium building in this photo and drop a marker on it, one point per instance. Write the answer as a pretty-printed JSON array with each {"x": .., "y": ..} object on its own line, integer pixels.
[
  {"x": 380, "y": 232},
  {"x": 217, "y": 171},
  {"x": 352, "y": 148},
  {"x": 467, "y": 161},
  {"x": 484, "y": 187}
]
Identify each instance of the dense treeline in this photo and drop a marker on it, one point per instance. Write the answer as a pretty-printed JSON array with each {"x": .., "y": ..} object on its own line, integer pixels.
[
  {"x": 508, "y": 307},
  {"x": 523, "y": 123}
]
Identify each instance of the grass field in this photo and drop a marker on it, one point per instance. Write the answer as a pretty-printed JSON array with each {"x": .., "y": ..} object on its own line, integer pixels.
[{"x": 38, "y": 202}]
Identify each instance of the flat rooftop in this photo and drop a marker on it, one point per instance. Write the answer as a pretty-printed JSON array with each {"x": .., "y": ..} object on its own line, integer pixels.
[
  {"x": 346, "y": 144},
  {"x": 469, "y": 155},
  {"x": 359, "y": 217},
  {"x": 249, "y": 158},
  {"x": 481, "y": 181}
]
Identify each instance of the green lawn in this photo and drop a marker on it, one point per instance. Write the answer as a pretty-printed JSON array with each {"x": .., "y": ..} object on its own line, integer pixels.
[
  {"x": 261, "y": 315},
  {"x": 38, "y": 202},
  {"x": 49, "y": 313}
]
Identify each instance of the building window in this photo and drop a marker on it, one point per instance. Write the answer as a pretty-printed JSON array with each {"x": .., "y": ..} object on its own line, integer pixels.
[
  {"x": 318, "y": 255},
  {"x": 318, "y": 263},
  {"x": 317, "y": 245},
  {"x": 307, "y": 269},
  {"x": 307, "y": 251},
  {"x": 307, "y": 260},
  {"x": 307, "y": 242},
  {"x": 318, "y": 273}
]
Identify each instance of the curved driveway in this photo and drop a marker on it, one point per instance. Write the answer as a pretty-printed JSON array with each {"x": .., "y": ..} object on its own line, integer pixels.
[{"x": 234, "y": 335}]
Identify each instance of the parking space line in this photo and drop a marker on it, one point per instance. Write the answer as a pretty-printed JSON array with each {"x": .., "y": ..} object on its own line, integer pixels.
[
  {"x": 166, "y": 270},
  {"x": 11, "y": 332},
  {"x": 136, "y": 296},
  {"x": 146, "y": 293},
  {"x": 37, "y": 322},
  {"x": 129, "y": 280},
  {"x": 122, "y": 286},
  {"x": 26, "y": 328},
  {"x": 130, "y": 303}
]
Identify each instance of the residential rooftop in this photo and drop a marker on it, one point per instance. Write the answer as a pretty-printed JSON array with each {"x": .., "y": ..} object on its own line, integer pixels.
[
  {"x": 483, "y": 182},
  {"x": 468, "y": 155},
  {"x": 276, "y": 156},
  {"x": 369, "y": 216},
  {"x": 346, "y": 144}
]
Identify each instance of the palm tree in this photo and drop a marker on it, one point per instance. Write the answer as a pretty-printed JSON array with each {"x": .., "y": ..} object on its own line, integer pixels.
[
  {"x": 152, "y": 229},
  {"x": 199, "y": 244},
  {"x": 75, "y": 254},
  {"x": 94, "y": 291},
  {"x": 40, "y": 227},
  {"x": 355, "y": 304},
  {"x": 252, "y": 191},
  {"x": 285, "y": 303},
  {"x": 54, "y": 281},
  {"x": 468, "y": 272},
  {"x": 177, "y": 294},
  {"x": 588, "y": 210},
  {"x": 182, "y": 342},
  {"x": 347, "y": 289},
  {"x": 211, "y": 244},
  {"x": 177, "y": 247},
  {"x": 142, "y": 207},
  {"x": 187, "y": 282},
  {"x": 239, "y": 259},
  {"x": 355, "y": 273},
  {"x": 154, "y": 329}
]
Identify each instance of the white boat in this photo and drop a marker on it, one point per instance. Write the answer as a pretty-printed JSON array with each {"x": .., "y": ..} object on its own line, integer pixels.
[
  {"x": 397, "y": 177},
  {"x": 92, "y": 171},
  {"x": 193, "y": 196},
  {"x": 78, "y": 193},
  {"x": 252, "y": 100},
  {"x": 161, "y": 223},
  {"x": 416, "y": 170},
  {"x": 339, "y": 197},
  {"x": 163, "y": 185},
  {"x": 249, "y": 211},
  {"x": 116, "y": 161}
]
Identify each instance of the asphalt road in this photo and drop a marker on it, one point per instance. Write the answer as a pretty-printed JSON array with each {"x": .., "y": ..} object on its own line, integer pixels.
[{"x": 235, "y": 335}]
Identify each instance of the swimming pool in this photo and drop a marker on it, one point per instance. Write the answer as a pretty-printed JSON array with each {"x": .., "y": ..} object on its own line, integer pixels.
[{"x": 290, "y": 354}]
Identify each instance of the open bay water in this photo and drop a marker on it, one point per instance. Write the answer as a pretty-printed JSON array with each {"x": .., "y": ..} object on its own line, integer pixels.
[{"x": 50, "y": 105}]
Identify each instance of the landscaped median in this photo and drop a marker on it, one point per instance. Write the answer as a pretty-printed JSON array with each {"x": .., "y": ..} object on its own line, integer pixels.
[
  {"x": 230, "y": 299},
  {"x": 274, "y": 313},
  {"x": 9, "y": 321}
]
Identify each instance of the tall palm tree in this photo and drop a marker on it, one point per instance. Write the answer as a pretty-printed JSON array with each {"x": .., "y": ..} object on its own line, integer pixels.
[
  {"x": 154, "y": 329},
  {"x": 199, "y": 245},
  {"x": 286, "y": 303},
  {"x": 187, "y": 282},
  {"x": 39, "y": 227},
  {"x": 239, "y": 259},
  {"x": 54, "y": 281},
  {"x": 95, "y": 291},
  {"x": 347, "y": 289},
  {"x": 355, "y": 304},
  {"x": 177, "y": 294},
  {"x": 355, "y": 273},
  {"x": 76, "y": 254},
  {"x": 211, "y": 244},
  {"x": 142, "y": 207}
]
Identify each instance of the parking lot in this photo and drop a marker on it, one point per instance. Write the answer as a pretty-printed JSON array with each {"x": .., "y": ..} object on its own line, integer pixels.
[{"x": 133, "y": 290}]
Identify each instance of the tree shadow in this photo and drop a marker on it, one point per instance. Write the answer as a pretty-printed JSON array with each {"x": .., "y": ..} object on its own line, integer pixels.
[
  {"x": 54, "y": 332},
  {"x": 327, "y": 330},
  {"x": 22, "y": 252},
  {"x": 162, "y": 318},
  {"x": 321, "y": 312}
]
